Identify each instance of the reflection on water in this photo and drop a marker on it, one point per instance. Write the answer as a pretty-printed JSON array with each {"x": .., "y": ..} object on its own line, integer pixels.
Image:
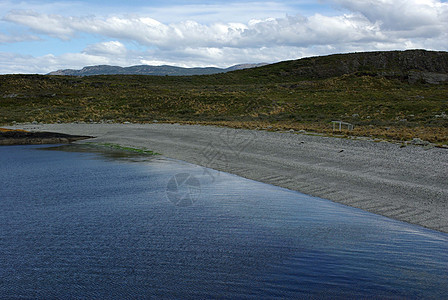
[
  {"x": 98, "y": 224},
  {"x": 106, "y": 152}
]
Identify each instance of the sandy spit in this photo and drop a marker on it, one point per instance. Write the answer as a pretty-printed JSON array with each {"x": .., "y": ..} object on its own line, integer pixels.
[{"x": 404, "y": 183}]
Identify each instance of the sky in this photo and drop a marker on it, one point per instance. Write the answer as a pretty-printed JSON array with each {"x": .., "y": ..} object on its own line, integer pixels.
[{"x": 44, "y": 36}]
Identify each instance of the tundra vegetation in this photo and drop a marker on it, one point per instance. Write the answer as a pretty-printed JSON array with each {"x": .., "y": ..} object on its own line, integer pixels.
[{"x": 387, "y": 95}]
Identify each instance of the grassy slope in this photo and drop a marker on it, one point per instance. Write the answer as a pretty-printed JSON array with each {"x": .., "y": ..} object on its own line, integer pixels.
[{"x": 303, "y": 94}]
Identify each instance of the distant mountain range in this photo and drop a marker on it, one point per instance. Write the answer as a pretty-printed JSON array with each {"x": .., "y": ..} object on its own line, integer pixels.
[{"x": 150, "y": 70}]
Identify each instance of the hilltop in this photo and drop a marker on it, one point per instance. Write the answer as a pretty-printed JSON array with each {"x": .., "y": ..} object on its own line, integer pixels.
[
  {"x": 395, "y": 95},
  {"x": 150, "y": 70},
  {"x": 410, "y": 65}
]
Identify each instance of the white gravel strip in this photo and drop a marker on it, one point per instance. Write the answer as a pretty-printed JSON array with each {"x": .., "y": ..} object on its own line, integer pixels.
[{"x": 408, "y": 184}]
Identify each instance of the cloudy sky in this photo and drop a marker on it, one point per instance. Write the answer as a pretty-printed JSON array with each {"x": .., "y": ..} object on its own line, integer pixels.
[{"x": 43, "y": 36}]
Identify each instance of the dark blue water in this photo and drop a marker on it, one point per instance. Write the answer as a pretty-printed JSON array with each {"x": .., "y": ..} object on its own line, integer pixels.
[{"x": 91, "y": 225}]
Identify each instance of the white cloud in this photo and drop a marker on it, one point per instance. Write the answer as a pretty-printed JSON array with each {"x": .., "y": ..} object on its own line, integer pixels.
[
  {"x": 400, "y": 15},
  {"x": 53, "y": 25},
  {"x": 369, "y": 21},
  {"x": 164, "y": 11},
  {"x": 412, "y": 23},
  {"x": 106, "y": 48},
  {"x": 201, "y": 35},
  {"x": 288, "y": 31},
  {"x": 13, "y": 63},
  {"x": 5, "y": 38},
  {"x": 190, "y": 57},
  {"x": 242, "y": 11}
]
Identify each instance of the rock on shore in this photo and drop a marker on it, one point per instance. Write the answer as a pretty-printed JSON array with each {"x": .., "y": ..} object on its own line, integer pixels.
[{"x": 20, "y": 137}]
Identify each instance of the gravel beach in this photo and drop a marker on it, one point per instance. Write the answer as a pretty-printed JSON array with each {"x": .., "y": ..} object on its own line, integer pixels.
[{"x": 404, "y": 183}]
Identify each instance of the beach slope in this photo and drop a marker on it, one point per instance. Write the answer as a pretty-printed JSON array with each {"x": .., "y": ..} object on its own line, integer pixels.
[{"x": 404, "y": 183}]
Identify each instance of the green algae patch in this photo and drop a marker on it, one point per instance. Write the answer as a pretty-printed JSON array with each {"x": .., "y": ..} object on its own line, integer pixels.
[{"x": 124, "y": 148}]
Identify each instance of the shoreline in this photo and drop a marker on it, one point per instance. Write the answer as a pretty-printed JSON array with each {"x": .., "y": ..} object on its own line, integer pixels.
[
  {"x": 409, "y": 183},
  {"x": 20, "y": 137}
]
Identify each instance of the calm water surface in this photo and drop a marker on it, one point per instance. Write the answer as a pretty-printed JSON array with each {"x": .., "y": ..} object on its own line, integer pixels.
[{"x": 79, "y": 224}]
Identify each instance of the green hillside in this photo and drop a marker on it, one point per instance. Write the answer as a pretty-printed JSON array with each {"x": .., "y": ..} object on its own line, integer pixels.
[{"x": 394, "y": 95}]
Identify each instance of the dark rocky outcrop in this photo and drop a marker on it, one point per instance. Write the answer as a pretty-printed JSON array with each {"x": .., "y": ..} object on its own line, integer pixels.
[
  {"x": 411, "y": 65},
  {"x": 36, "y": 138}
]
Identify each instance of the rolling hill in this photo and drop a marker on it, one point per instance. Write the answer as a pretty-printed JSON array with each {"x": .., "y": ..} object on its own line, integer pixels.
[
  {"x": 394, "y": 95},
  {"x": 150, "y": 70}
]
